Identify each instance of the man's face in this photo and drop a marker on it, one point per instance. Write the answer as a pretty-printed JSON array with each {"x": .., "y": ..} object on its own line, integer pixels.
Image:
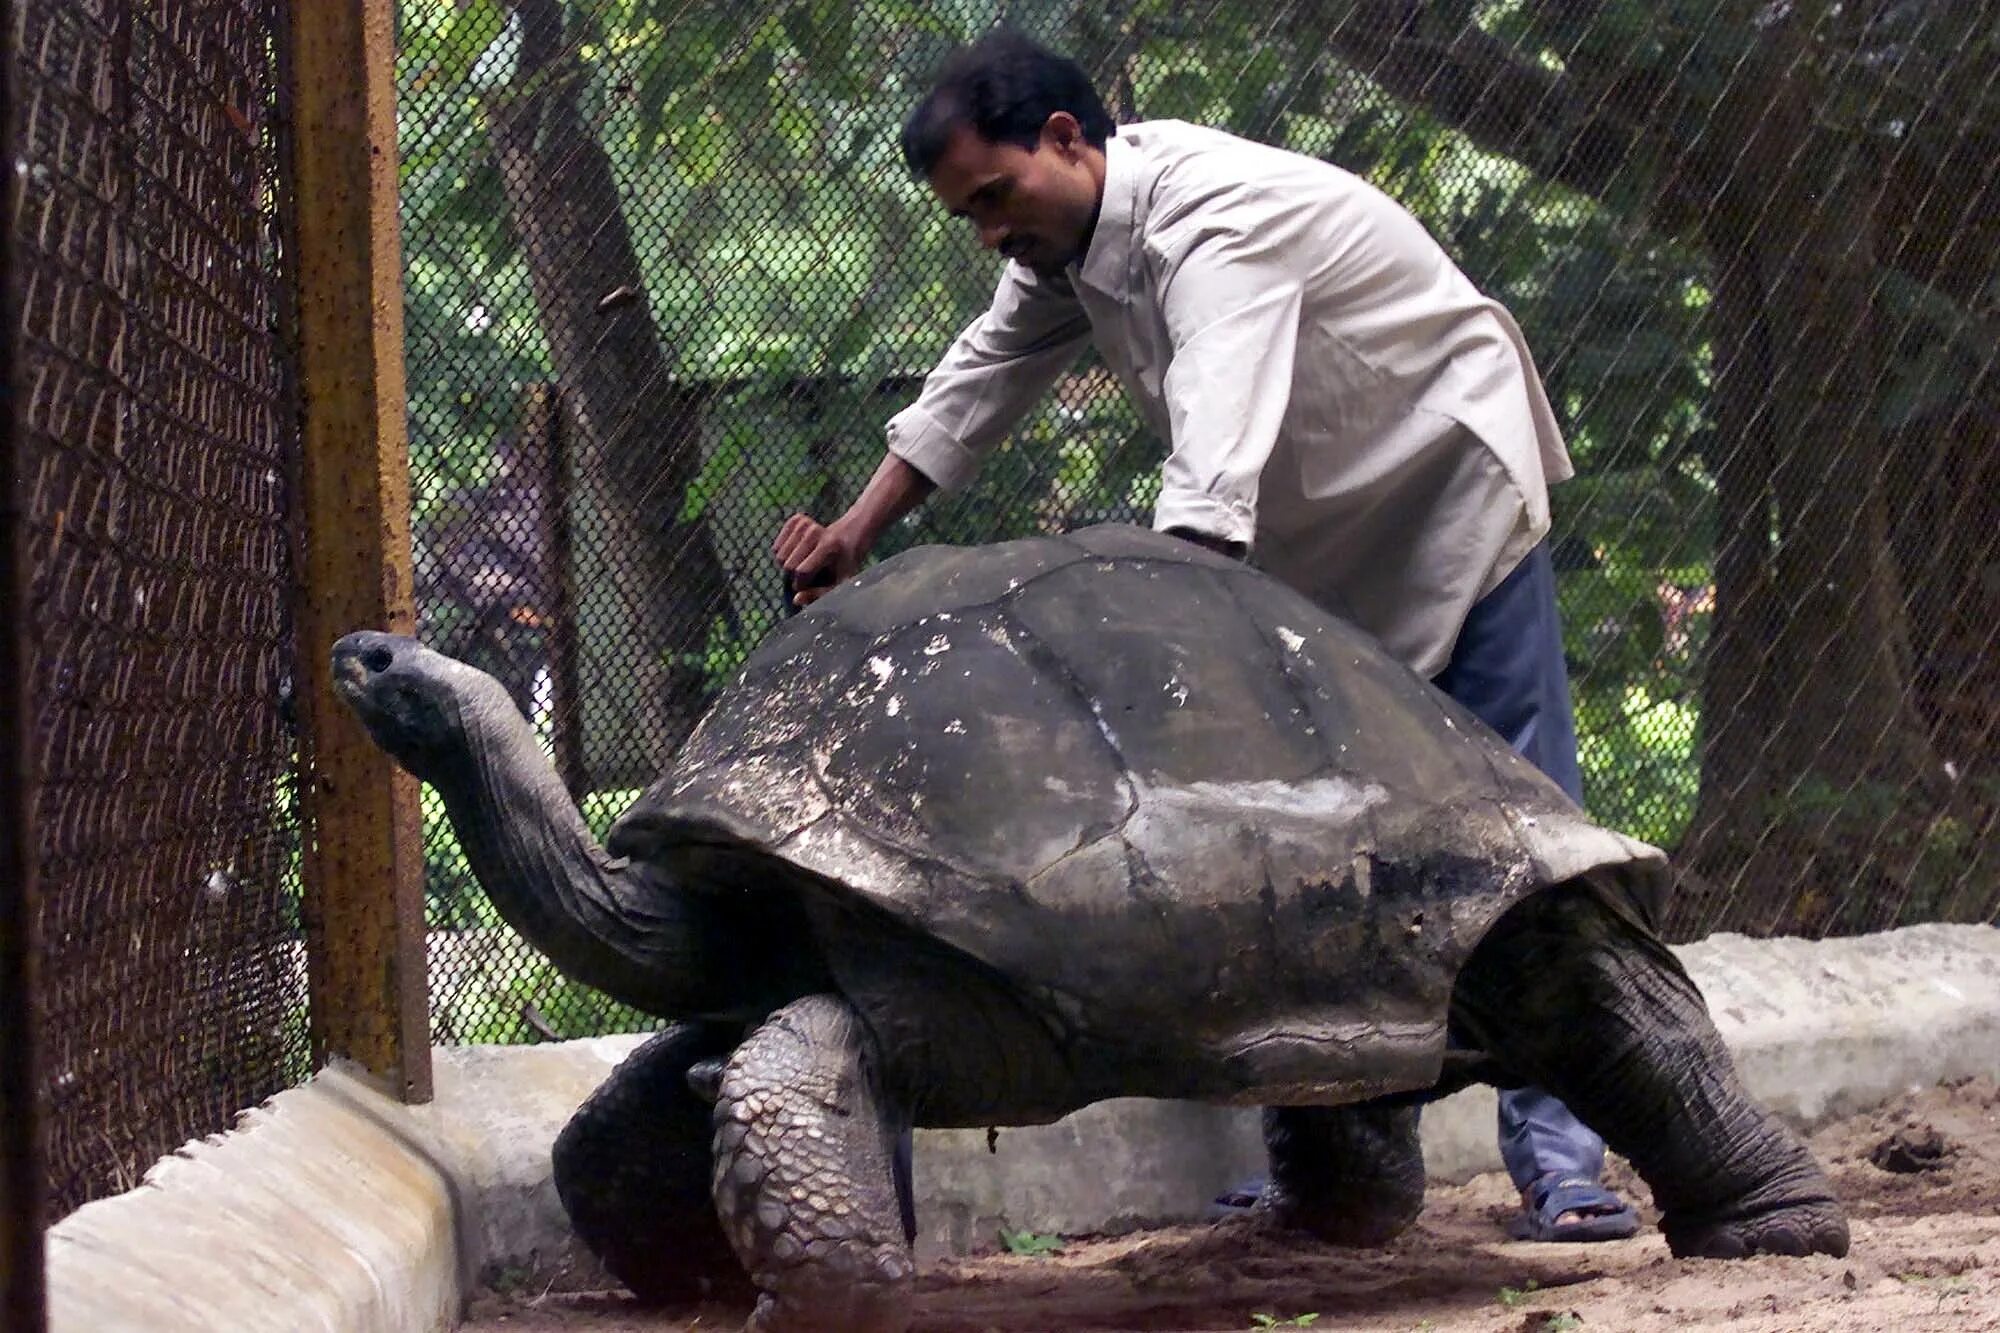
[{"x": 1032, "y": 205}]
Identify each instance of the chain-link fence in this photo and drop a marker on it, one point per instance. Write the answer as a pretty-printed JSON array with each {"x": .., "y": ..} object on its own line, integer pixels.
[
  {"x": 153, "y": 440},
  {"x": 667, "y": 277}
]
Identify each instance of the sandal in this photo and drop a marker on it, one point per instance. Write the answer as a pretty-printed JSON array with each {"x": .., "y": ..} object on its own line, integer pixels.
[{"x": 1600, "y": 1214}]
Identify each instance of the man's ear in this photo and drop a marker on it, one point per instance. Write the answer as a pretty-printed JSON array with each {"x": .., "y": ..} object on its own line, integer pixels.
[{"x": 1064, "y": 133}]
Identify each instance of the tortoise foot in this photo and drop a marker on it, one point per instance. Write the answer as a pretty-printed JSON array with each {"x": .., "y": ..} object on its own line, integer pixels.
[
  {"x": 1818, "y": 1227},
  {"x": 1347, "y": 1175},
  {"x": 1359, "y": 1224},
  {"x": 803, "y": 1182}
]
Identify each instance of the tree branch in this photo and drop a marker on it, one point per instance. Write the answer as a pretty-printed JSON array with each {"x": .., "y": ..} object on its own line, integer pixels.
[{"x": 1941, "y": 201}]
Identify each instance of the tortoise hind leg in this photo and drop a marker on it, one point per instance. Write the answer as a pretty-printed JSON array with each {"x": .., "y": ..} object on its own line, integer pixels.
[
  {"x": 1350, "y": 1175},
  {"x": 632, "y": 1168},
  {"x": 1576, "y": 999},
  {"x": 803, "y": 1177}
]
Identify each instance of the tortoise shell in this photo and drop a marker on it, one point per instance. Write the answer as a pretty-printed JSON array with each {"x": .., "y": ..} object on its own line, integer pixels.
[{"x": 1154, "y": 789}]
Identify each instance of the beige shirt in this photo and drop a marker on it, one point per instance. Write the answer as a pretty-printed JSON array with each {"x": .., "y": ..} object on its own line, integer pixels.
[{"x": 1335, "y": 392}]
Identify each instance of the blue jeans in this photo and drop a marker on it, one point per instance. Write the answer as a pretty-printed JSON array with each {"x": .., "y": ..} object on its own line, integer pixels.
[{"x": 1507, "y": 670}]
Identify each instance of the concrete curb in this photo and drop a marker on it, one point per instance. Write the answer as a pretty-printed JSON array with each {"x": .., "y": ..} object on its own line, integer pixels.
[
  {"x": 334, "y": 1208},
  {"x": 328, "y": 1208}
]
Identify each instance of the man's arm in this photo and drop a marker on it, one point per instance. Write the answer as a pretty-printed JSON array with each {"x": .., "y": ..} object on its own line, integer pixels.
[
  {"x": 992, "y": 374},
  {"x": 1231, "y": 300},
  {"x": 987, "y": 380}
]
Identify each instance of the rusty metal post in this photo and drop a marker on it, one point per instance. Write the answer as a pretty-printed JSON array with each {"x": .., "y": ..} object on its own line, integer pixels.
[{"x": 364, "y": 853}]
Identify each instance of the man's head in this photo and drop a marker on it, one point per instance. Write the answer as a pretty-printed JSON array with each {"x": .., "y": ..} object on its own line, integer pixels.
[{"x": 1012, "y": 138}]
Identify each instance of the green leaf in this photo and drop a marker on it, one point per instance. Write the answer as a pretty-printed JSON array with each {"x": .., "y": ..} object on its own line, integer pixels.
[
  {"x": 908, "y": 14},
  {"x": 700, "y": 146},
  {"x": 849, "y": 339},
  {"x": 465, "y": 39},
  {"x": 1183, "y": 94},
  {"x": 1029, "y": 1243},
  {"x": 821, "y": 30},
  {"x": 660, "y": 91},
  {"x": 1256, "y": 93},
  {"x": 744, "y": 89}
]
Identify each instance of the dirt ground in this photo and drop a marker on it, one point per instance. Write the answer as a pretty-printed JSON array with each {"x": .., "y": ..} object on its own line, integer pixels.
[{"x": 1926, "y": 1256}]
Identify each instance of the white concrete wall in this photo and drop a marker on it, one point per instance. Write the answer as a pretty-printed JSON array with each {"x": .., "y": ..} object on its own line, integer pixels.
[{"x": 334, "y": 1208}]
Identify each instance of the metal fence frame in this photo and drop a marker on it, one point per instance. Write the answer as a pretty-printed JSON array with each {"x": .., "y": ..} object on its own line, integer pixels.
[
  {"x": 21, "y": 1184},
  {"x": 335, "y": 271}
]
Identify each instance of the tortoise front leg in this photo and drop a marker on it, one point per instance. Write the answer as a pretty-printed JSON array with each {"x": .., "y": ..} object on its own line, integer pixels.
[{"x": 803, "y": 1181}]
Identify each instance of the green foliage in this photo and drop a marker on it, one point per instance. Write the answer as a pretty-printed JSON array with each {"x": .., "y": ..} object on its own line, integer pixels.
[
  {"x": 729, "y": 647},
  {"x": 1293, "y": 1321},
  {"x": 1936, "y": 851},
  {"x": 1030, "y": 1244},
  {"x": 1513, "y": 1296},
  {"x": 465, "y": 37},
  {"x": 1641, "y": 772},
  {"x": 499, "y": 993}
]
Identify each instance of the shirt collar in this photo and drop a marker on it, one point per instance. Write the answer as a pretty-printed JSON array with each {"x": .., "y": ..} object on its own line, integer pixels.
[{"x": 1104, "y": 262}]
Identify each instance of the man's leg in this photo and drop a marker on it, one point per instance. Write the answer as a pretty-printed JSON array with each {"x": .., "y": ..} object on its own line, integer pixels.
[{"x": 1507, "y": 669}]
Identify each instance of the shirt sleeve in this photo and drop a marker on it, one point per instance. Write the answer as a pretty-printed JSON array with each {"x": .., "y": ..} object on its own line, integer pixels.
[
  {"x": 1232, "y": 307},
  {"x": 999, "y": 366}
]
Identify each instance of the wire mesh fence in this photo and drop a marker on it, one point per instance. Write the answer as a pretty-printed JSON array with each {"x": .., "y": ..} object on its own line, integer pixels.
[
  {"x": 152, "y": 438},
  {"x": 667, "y": 277}
]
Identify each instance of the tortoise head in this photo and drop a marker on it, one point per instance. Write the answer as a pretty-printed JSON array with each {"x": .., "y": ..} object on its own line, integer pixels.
[{"x": 427, "y": 710}]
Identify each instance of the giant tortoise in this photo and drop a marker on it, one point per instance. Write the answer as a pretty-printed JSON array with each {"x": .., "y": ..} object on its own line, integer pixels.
[{"x": 989, "y": 834}]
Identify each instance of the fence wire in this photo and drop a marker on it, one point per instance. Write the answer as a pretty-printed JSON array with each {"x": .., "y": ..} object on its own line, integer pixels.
[
  {"x": 667, "y": 277},
  {"x": 153, "y": 434}
]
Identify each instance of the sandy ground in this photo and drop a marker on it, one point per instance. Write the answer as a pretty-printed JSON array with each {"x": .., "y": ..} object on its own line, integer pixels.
[{"x": 1926, "y": 1256}]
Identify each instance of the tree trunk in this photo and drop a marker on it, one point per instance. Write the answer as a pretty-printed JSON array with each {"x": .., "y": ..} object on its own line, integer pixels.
[
  {"x": 1812, "y": 749},
  {"x": 655, "y": 581},
  {"x": 1944, "y": 506}
]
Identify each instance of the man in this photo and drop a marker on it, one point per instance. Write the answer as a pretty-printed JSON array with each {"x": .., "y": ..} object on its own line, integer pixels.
[{"x": 1338, "y": 400}]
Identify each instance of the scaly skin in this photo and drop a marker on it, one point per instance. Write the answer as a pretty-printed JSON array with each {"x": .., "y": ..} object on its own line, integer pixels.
[
  {"x": 1350, "y": 1175},
  {"x": 632, "y": 1168},
  {"x": 1584, "y": 1003},
  {"x": 803, "y": 1179}
]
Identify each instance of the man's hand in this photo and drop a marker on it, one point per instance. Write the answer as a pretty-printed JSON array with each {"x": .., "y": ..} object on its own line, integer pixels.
[{"x": 815, "y": 556}]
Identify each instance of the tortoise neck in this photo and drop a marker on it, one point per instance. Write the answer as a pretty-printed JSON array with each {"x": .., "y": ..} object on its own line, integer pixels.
[{"x": 602, "y": 921}]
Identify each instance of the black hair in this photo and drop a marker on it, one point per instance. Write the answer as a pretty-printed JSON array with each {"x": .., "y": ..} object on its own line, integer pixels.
[{"x": 1004, "y": 87}]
